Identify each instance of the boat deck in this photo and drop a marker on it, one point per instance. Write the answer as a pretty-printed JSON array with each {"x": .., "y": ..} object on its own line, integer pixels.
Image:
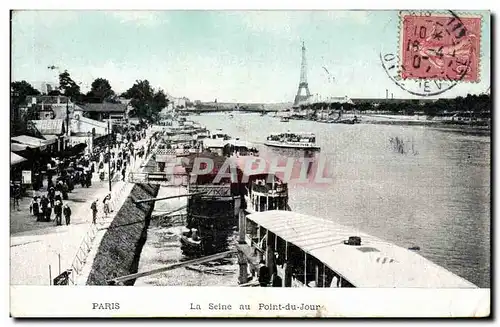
[{"x": 374, "y": 263}]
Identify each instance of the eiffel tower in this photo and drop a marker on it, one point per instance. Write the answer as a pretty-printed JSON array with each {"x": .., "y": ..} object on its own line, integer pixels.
[{"x": 303, "y": 79}]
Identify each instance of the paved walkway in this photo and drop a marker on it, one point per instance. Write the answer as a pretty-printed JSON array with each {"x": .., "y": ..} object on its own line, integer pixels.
[
  {"x": 82, "y": 277},
  {"x": 40, "y": 251}
]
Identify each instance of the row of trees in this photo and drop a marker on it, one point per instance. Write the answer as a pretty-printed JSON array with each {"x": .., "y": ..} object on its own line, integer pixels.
[
  {"x": 477, "y": 105},
  {"x": 146, "y": 101}
]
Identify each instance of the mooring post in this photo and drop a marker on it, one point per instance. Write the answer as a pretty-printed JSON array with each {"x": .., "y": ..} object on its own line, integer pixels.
[
  {"x": 242, "y": 261},
  {"x": 241, "y": 227}
]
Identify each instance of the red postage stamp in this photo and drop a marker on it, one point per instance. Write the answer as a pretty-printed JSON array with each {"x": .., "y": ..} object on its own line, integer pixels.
[{"x": 440, "y": 47}]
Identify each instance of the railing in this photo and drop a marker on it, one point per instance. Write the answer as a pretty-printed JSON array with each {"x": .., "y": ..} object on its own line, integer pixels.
[
  {"x": 222, "y": 190},
  {"x": 165, "y": 152},
  {"x": 82, "y": 253},
  {"x": 268, "y": 189}
]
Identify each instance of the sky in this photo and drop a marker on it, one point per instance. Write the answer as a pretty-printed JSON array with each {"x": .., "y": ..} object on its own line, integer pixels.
[{"x": 231, "y": 56}]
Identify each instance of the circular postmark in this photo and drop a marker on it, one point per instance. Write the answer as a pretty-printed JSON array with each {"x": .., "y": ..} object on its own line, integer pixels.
[{"x": 436, "y": 52}]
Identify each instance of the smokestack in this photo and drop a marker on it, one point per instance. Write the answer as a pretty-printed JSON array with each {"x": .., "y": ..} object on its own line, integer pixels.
[
  {"x": 386, "y": 94},
  {"x": 392, "y": 95}
]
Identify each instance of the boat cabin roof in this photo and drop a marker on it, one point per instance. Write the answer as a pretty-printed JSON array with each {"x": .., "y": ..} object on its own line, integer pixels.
[
  {"x": 240, "y": 143},
  {"x": 305, "y": 134},
  {"x": 374, "y": 263},
  {"x": 213, "y": 143}
]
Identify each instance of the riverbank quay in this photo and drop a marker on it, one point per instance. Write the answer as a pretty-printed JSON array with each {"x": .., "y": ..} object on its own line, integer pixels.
[
  {"x": 51, "y": 250},
  {"x": 93, "y": 275}
]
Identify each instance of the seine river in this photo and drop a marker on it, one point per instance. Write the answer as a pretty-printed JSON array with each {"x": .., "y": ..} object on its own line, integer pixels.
[{"x": 435, "y": 196}]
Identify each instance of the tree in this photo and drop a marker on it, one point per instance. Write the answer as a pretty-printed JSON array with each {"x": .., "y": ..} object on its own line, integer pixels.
[
  {"x": 100, "y": 90},
  {"x": 19, "y": 91},
  {"x": 68, "y": 86},
  {"x": 146, "y": 102},
  {"x": 54, "y": 92}
]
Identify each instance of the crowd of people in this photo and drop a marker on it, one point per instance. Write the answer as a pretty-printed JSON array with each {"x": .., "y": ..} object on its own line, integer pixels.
[{"x": 64, "y": 174}]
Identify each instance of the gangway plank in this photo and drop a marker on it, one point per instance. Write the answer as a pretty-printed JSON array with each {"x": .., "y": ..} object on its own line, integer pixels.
[
  {"x": 250, "y": 284},
  {"x": 216, "y": 256},
  {"x": 168, "y": 197}
]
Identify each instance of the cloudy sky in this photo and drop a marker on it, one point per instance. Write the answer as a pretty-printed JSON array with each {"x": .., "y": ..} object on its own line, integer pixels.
[{"x": 236, "y": 56}]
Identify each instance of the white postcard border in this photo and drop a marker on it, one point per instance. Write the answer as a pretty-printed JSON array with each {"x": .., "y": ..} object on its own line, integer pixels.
[
  {"x": 185, "y": 302},
  {"x": 37, "y": 301}
]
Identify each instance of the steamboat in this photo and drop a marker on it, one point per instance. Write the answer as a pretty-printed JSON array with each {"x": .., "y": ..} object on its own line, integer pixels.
[{"x": 306, "y": 141}]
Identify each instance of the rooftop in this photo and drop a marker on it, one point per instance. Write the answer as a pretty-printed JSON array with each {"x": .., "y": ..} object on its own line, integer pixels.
[
  {"x": 239, "y": 143},
  {"x": 375, "y": 263},
  {"x": 214, "y": 143},
  {"x": 105, "y": 107},
  {"x": 47, "y": 99},
  {"x": 295, "y": 133}
]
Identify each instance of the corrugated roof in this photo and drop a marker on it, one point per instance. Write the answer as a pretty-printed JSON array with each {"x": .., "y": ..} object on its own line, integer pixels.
[
  {"x": 376, "y": 263},
  {"x": 15, "y": 159},
  {"x": 49, "y": 126},
  {"x": 105, "y": 107}
]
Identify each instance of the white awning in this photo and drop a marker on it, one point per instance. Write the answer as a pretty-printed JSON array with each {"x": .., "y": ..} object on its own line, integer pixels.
[
  {"x": 15, "y": 159},
  {"x": 18, "y": 147},
  {"x": 32, "y": 142},
  {"x": 50, "y": 139}
]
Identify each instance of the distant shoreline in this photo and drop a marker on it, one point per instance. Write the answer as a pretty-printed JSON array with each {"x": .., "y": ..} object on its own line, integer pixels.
[{"x": 419, "y": 121}]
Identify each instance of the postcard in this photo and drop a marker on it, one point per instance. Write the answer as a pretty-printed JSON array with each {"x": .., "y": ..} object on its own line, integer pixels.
[{"x": 224, "y": 163}]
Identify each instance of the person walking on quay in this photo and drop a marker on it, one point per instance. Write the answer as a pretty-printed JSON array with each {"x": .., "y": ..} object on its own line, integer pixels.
[
  {"x": 58, "y": 196},
  {"x": 44, "y": 203},
  {"x": 264, "y": 274},
  {"x": 65, "y": 191},
  {"x": 34, "y": 207},
  {"x": 48, "y": 212},
  {"x": 83, "y": 180},
  {"x": 88, "y": 178},
  {"x": 67, "y": 213},
  {"x": 93, "y": 207},
  {"x": 58, "y": 212},
  {"x": 50, "y": 183},
  {"x": 124, "y": 170},
  {"x": 101, "y": 174},
  {"x": 106, "y": 205},
  {"x": 70, "y": 184},
  {"x": 51, "y": 195},
  {"x": 17, "y": 196}
]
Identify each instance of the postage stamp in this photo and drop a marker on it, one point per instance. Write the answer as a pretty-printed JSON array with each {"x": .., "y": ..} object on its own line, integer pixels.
[{"x": 440, "y": 46}]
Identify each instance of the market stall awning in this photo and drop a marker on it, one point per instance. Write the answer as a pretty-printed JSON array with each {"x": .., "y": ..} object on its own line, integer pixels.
[
  {"x": 15, "y": 159},
  {"x": 50, "y": 139},
  {"x": 32, "y": 142},
  {"x": 16, "y": 147}
]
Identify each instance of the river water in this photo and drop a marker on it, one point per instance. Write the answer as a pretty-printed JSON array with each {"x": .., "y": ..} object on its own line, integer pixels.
[{"x": 435, "y": 196}]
